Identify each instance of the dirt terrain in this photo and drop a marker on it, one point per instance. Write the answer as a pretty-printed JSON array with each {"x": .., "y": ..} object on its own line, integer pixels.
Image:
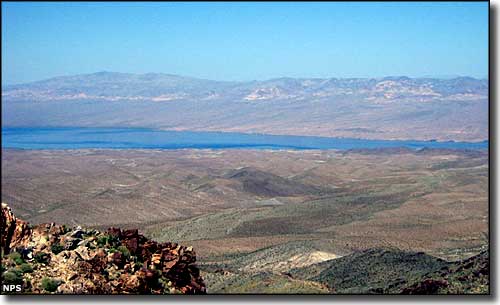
[{"x": 258, "y": 213}]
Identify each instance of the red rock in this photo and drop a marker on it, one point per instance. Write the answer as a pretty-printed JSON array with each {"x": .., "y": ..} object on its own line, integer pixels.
[
  {"x": 134, "y": 233},
  {"x": 118, "y": 259},
  {"x": 132, "y": 244},
  {"x": 114, "y": 232},
  {"x": 168, "y": 265},
  {"x": 95, "y": 272},
  {"x": 15, "y": 232}
]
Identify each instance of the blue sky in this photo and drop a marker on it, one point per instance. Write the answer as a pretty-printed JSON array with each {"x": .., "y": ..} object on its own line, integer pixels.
[{"x": 245, "y": 41}]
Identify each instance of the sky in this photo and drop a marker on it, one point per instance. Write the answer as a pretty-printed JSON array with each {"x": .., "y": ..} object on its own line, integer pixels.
[{"x": 245, "y": 41}]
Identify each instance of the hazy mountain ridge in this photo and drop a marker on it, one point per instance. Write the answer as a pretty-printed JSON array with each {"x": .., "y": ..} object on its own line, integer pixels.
[
  {"x": 151, "y": 86},
  {"x": 373, "y": 108},
  {"x": 111, "y": 86}
]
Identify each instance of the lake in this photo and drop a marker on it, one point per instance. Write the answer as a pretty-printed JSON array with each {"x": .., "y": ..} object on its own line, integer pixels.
[{"x": 141, "y": 138}]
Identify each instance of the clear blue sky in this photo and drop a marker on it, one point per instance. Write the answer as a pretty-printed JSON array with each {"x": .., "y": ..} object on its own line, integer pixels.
[{"x": 245, "y": 41}]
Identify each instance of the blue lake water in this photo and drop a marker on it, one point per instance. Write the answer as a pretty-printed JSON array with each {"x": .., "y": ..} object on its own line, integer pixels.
[{"x": 75, "y": 138}]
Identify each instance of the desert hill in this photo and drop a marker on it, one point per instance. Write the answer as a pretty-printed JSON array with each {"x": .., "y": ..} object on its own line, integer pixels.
[
  {"x": 373, "y": 271},
  {"x": 265, "y": 221}
]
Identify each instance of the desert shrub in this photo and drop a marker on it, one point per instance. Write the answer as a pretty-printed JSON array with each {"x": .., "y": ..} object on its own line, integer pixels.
[
  {"x": 17, "y": 271},
  {"x": 12, "y": 278},
  {"x": 138, "y": 265},
  {"x": 26, "y": 268},
  {"x": 124, "y": 250},
  {"x": 106, "y": 240},
  {"x": 19, "y": 261},
  {"x": 41, "y": 257},
  {"x": 65, "y": 229},
  {"x": 56, "y": 248},
  {"x": 49, "y": 284},
  {"x": 102, "y": 240},
  {"x": 17, "y": 258},
  {"x": 14, "y": 255}
]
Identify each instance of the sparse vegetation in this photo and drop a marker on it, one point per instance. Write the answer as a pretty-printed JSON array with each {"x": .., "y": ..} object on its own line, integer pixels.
[
  {"x": 50, "y": 284},
  {"x": 138, "y": 265},
  {"x": 56, "y": 248},
  {"x": 404, "y": 201},
  {"x": 12, "y": 277},
  {"x": 26, "y": 268},
  {"x": 17, "y": 258},
  {"x": 41, "y": 257},
  {"x": 124, "y": 251},
  {"x": 107, "y": 240}
]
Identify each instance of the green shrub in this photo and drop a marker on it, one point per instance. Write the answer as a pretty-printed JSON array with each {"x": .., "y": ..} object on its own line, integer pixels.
[
  {"x": 26, "y": 268},
  {"x": 41, "y": 257},
  {"x": 16, "y": 257},
  {"x": 106, "y": 240},
  {"x": 138, "y": 265},
  {"x": 19, "y": 261},
  {"x": 56, "y": 248},
  {"x": 65, "y": 229},
  {"x": 17, "y": 271},
  {"x": 49, "y": 284},
  {"x": 12, "y": 278},
  {"x": 102, "y": 240},
  {"x": 124, "y": 250}
]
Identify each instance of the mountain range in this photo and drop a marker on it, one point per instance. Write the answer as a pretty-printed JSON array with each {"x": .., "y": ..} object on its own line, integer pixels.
[{"x": 374, "y": 108}]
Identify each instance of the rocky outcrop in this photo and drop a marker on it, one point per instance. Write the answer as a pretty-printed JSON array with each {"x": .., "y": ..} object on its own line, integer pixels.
[
  {"x": 50, "y": 258},
  {"x": 14, "y": 231}
]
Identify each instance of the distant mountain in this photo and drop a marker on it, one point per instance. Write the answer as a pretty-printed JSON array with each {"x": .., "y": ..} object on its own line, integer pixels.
[
  {"x": 114, "y": 86},
  {"x": 383, "y": 108},
  {"x": 167, "y": 87}
]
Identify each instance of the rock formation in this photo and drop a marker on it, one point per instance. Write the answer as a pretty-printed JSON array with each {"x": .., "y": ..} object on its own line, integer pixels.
[{"x": 50, "y": 258}]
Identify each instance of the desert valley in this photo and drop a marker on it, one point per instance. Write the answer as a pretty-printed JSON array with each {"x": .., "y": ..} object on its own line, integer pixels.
[{"x": 276, "y": 221}]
